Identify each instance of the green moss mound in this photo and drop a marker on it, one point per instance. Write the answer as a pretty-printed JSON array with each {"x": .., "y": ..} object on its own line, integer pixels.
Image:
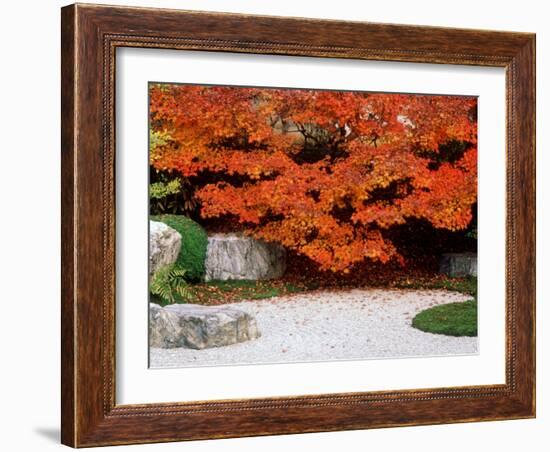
[
  {"x": 193, "y": 245},
  {"x": 453, "y": 319}
]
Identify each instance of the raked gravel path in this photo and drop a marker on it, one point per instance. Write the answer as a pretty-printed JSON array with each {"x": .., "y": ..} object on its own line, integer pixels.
[{"x": 331, "y": 325}]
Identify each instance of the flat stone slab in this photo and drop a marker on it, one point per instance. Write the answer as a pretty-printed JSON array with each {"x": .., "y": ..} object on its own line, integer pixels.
[
  {"x": 199, "y": 327},
  {"x": 237, "y": 257},
  {"x": 458, "y": 264}
]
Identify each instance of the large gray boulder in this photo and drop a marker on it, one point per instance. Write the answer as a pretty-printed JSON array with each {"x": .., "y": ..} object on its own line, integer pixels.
[
  {"x": 164, "y": 329},
  {"x": 164, "y": 246},
  {"x": 236, "y": 256},
  {"x": 198, "y": 327},
  {"x": 458, "y": 264}
]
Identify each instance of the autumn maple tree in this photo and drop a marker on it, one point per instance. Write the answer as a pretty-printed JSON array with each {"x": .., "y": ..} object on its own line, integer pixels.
[{"x": 324, "y": 173}]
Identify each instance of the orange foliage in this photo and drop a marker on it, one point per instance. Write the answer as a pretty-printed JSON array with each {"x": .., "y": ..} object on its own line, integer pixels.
[{"x": 322, "y": 172}]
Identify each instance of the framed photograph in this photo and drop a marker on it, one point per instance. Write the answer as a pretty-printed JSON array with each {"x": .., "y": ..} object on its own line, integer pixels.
[{"x": 281, "y": 225}]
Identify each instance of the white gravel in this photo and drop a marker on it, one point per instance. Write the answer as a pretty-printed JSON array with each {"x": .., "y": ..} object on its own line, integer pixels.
[{"x": 331, "y": 325}]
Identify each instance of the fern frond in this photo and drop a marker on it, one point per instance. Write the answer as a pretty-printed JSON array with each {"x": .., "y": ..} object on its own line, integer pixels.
[{"x": 169, "y": 281}]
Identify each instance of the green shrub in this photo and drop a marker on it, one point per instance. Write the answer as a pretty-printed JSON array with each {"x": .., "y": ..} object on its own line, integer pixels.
[
  {"x": 193, "y": 245},
  {"x": 169, "y": 194},
  {"x": 160, "y": 190}
]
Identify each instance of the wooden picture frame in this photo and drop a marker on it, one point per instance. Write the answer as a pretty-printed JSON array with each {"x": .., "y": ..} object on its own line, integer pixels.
[{"x": 90, "y": 36}]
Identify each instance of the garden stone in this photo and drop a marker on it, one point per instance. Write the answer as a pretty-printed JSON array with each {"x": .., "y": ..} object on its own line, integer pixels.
[
  {"x": 236, "y": 256},
  {"x": 458, "y": 264},
  {"x": 164, "y": 246},
  {"x": 164, "y": 329},
  {"x": 199, "y": 327}
]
